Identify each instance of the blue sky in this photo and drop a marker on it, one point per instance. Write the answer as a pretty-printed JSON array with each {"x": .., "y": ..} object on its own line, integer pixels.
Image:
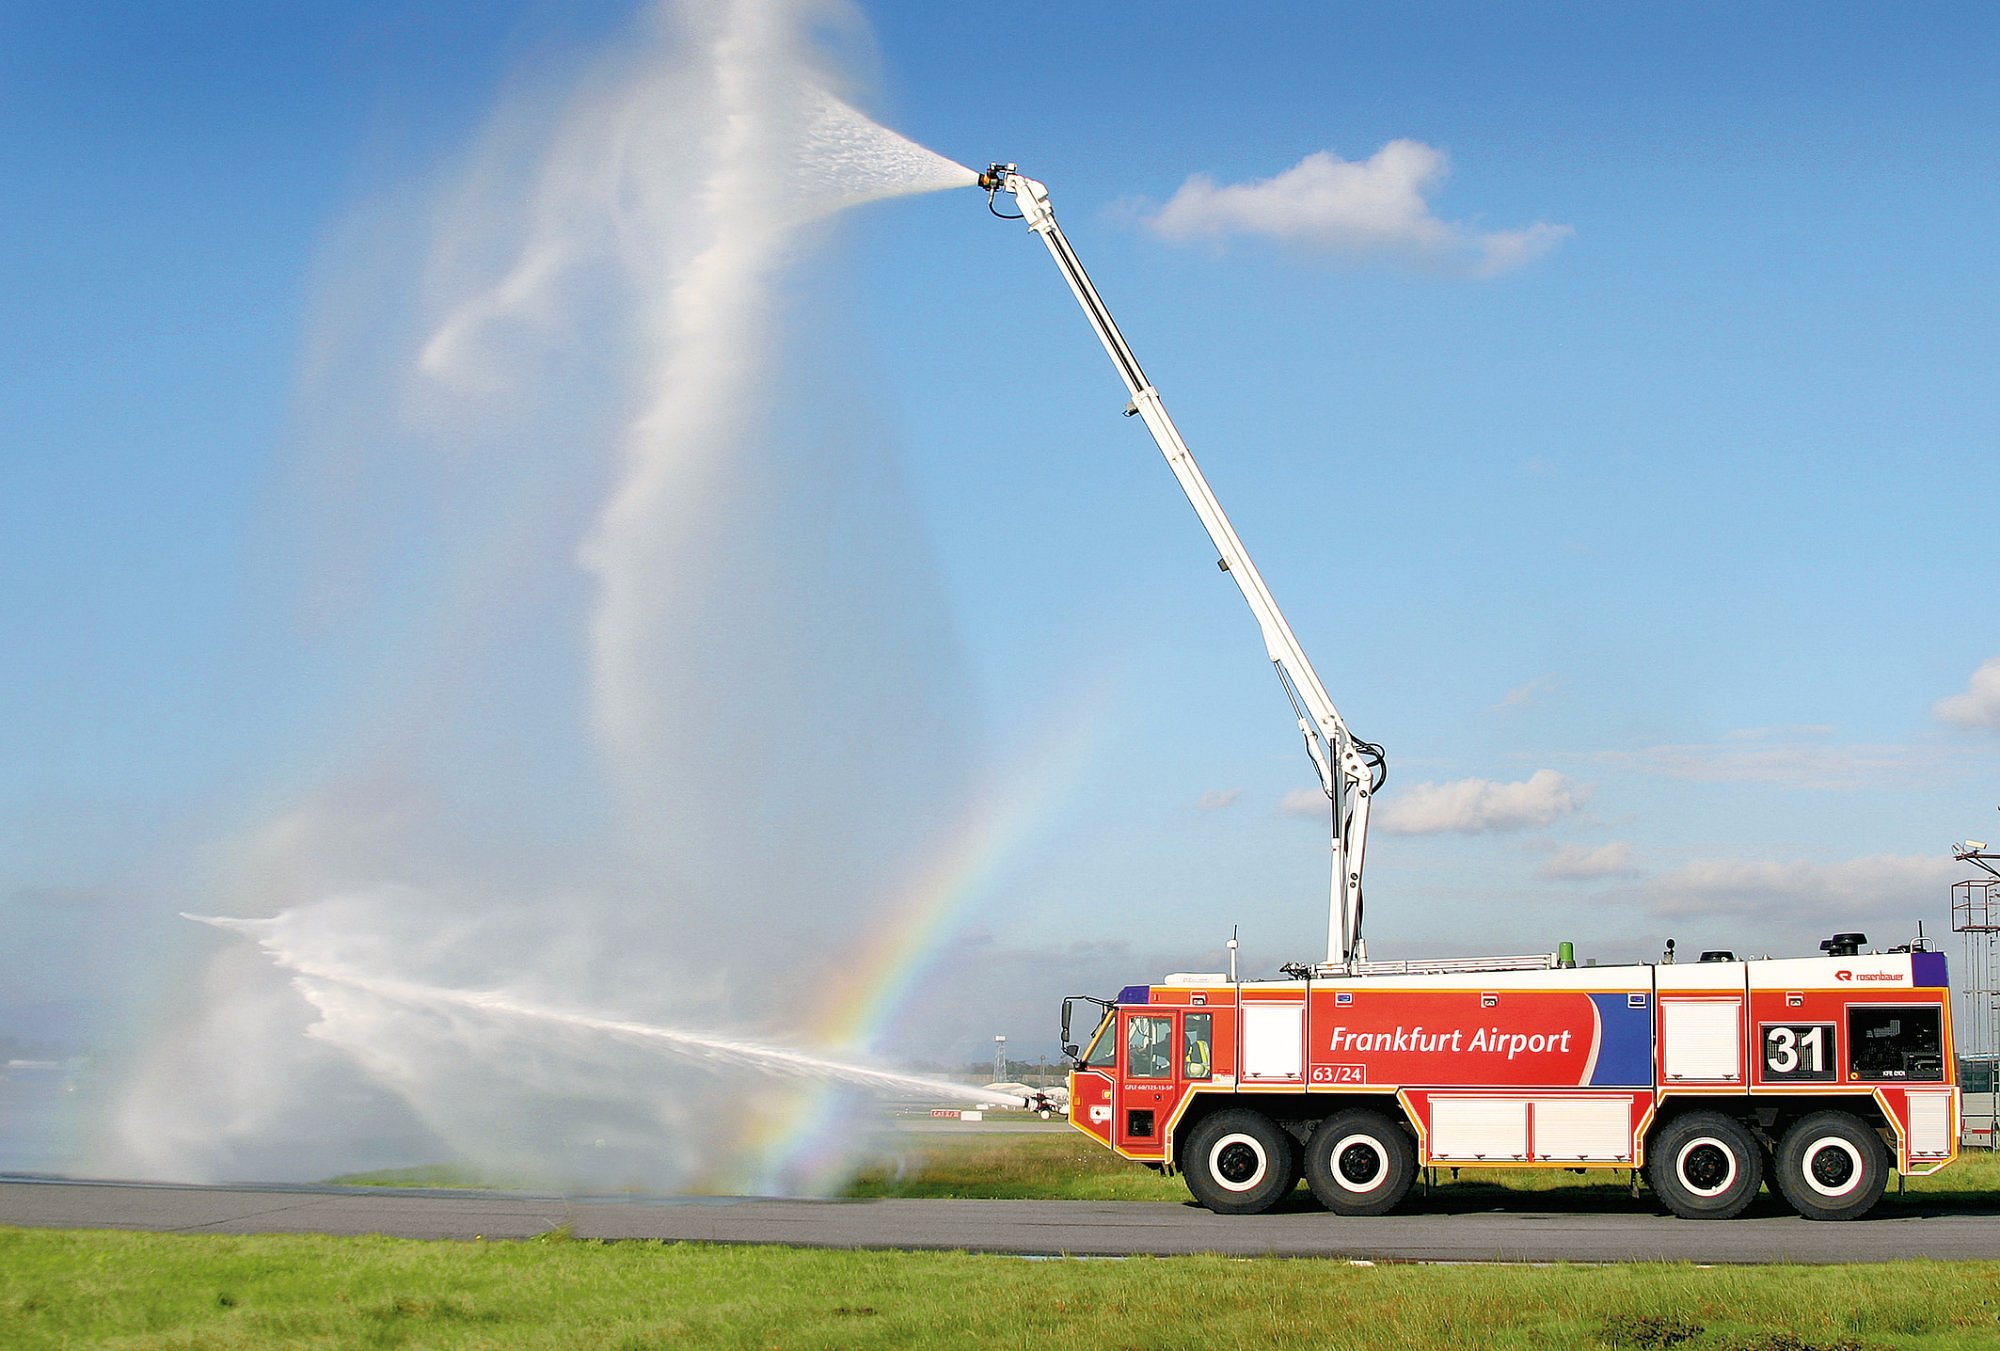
[{"x": 1688, "y": 513}]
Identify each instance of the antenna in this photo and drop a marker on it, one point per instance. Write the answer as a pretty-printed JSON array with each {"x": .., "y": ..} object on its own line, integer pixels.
[{"x": 1232, "y": 954}]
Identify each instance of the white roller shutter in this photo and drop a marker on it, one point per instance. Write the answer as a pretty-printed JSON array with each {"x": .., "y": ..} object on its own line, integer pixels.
[{"x": 1274, "y": 1044}]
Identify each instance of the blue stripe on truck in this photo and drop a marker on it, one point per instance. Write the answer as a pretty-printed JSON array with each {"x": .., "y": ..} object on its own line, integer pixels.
[{"x": 1625, "y": 1055}]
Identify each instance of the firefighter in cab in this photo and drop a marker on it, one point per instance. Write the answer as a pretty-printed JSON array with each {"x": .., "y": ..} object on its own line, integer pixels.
[{"x": 1146, "y": 1048}]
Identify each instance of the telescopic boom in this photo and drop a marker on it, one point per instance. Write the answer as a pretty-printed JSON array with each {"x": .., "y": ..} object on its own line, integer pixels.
[{"x": 1350, "y": 770}]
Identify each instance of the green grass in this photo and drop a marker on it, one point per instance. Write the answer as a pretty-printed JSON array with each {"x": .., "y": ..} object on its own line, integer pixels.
[
  {"x": 1974, "y": 1179},
  {"x": 435, "y": 1175},
  {"x": 1043, "y": 1165},
  {"x": 82, "y": 1288}
]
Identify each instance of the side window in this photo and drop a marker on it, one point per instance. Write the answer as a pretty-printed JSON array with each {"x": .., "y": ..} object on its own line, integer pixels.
[
  {"x": 1148, "y": 1047},
  {"x": 1103, "y": 1052},
  {"x": 1895, "y": 1044},
  {"x": 1197, "y": 1061}
]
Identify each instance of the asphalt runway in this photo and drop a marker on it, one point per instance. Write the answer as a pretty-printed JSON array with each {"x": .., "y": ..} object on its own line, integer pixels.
[{"x": 1435, "y": 1230}]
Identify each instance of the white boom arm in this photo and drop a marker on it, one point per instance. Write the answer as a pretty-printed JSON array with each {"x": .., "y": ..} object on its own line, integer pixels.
[{"x": 1350, "y": 770}]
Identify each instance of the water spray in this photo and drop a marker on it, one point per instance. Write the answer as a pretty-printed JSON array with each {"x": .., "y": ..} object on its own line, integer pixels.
[
  {"x": 594, "y": 306},
  {"x": 712, "y": 1047}
]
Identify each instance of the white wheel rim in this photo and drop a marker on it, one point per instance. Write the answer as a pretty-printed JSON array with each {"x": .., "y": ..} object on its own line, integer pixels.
[
  {"x": 1681, "y": 1159},
  {"x": 1857, "y": 1175},
  {"x": 1254, "y": 1145},
  {"x": 1374, "y": 1147}
]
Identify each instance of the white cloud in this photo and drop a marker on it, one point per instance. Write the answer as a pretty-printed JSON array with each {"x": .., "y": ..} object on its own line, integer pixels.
[
  {"x": 1578, "y": 862},
  {"x": 1477, "y": 806},
  {"x": 1218, "y": 799},
  {"x": 1978, "y": 706},
  {"x": 1522, "y": 695},
  {"x": 1374, "y": 207},
  {"x": 1305, "y": 802},
  {"x": 1888, "y": 885}
]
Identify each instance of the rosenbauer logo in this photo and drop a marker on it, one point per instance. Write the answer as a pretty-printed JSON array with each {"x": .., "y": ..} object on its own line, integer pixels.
[{"x": 1845, "y": 974}]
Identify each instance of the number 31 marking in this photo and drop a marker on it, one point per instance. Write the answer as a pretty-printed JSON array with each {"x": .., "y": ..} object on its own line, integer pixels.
[{"x": 1797, "y": 1051}]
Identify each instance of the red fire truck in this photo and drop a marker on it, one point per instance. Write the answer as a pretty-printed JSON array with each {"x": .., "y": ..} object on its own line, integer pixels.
[{"x": 1821, "y": 1074}]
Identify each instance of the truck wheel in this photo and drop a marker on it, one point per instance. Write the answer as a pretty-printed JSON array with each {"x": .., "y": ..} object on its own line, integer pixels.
[
  {"x": 1704, "y": 1166},
  {"x": 1831, "y": 1166},
  {"x": 1239, "y": 1163},
  {"x": 1360, "y": 1163}
]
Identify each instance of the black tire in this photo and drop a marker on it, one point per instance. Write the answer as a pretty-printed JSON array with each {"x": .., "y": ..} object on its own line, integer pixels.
[
  {"x": 1239, "y": 1162},
  {"x": 1831, "y": 1166},
  {"x": 1360, "y": 1162},
  {"x": 1704, "y": 1166}
]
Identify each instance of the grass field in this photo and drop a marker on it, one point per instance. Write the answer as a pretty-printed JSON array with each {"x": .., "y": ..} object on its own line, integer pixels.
[{"x": 71, "y": 1289}]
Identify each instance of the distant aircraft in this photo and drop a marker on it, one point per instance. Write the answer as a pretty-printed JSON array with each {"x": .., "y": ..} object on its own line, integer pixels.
[{"x": 1047, "y": 1101}]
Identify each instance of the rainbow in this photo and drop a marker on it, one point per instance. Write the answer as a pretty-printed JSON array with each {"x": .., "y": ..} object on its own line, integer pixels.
[{"x": 802, "y": 1149}]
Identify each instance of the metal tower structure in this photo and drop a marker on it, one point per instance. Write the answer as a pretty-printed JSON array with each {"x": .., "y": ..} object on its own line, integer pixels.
[
  {"x": 1975, "y": 913},
  {"x": 1000, "y": 1059}
]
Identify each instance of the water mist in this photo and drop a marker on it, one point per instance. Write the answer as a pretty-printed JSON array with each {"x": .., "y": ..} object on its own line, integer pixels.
[{"x": 647, "y": 735}]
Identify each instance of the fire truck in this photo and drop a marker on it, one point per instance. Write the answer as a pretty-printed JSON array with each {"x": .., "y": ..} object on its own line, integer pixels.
[{"x": 1822, "y": 1075}]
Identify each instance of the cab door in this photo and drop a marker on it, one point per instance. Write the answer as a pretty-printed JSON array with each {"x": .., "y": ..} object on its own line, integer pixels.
[
  {"x": 1148, "y": 1046},
  {"x": 1093, "y": 1083}
]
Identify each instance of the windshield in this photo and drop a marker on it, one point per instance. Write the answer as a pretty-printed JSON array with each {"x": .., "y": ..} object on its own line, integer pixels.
[{"x": 1103, "y": 1052}]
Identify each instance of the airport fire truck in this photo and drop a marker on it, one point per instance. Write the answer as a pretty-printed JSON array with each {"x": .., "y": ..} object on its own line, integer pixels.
[{"x": 1821, "y": 1074}]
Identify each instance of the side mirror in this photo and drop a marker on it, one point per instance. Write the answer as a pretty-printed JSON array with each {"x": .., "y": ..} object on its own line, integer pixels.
[{"x": 1069, "y": 1050}]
